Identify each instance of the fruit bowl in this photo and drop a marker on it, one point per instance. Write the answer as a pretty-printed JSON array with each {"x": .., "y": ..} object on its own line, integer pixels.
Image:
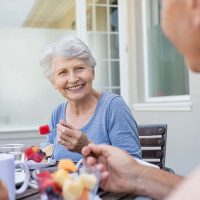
[
  {"x": 34, "y": 165},
  {"x": 39, "y": 154},
  {"x": 67, "y": 182},
  {"x": 37, "y": 157}
]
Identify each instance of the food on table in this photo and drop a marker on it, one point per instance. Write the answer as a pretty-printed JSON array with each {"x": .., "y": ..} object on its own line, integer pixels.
[
  {"x": 48, "y": 150},
  {"x": 38, "y": 154},
  {"x": 72, "y": 189},
  {"x": 35, "y": 148},
  {"x": 60, "y": 176},
  {"x": 88, "y": 180},
  {"x": 85, "y": 194},
  {"x": 46, "y": 183},
  {"x": 67, "y": 165},
  {"x": 44, "y": 129},
  {"x": 62, "y": 184}
]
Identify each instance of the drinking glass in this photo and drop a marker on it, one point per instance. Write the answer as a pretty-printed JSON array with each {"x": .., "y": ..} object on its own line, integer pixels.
[{"x": 17, "y": 150}]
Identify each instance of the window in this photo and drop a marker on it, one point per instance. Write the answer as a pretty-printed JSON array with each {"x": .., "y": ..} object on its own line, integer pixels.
[
  {"x": 166, "y": 77},
  {"x": 103, "y": 37}
]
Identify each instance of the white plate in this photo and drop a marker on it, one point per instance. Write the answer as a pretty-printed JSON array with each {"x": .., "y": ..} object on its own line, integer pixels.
[
  {"x": 34, "y": 165},
  {"x": 146, "y": 163},
  {"x": 19, "y": 177}
]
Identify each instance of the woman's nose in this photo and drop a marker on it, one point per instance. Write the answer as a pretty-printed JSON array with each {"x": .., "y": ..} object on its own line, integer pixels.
[{"x": 72, "y": 77}]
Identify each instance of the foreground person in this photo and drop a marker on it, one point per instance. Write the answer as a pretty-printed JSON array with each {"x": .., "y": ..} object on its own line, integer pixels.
[
  {"x": 119, "y": 172},
  {"x": 3, "y": 191},
  {"x": 86, "y": 115}
]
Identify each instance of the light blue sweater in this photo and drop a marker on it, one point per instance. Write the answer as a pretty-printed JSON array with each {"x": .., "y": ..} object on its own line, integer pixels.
[{"x": 112, "y": 123}]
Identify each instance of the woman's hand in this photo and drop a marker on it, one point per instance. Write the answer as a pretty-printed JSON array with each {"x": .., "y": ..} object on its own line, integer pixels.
[{"x": 73, "y": 139}]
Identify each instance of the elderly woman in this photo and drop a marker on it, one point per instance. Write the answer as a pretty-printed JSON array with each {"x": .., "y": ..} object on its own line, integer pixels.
[{"x": 87, "y": 115}]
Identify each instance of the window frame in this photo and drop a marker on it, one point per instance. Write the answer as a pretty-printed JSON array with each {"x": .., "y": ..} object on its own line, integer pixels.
[{"x": 175, "y": 98}]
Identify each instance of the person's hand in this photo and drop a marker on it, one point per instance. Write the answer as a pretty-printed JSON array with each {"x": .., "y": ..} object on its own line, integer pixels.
[
  {"x": 3, "y": 191},
  {"x": 72, "y": 138},
  {"x": 116, "y": 167}
]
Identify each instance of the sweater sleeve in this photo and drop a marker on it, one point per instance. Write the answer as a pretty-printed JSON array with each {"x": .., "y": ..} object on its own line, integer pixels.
[
  {"x": 56, "y": 116},
  {"x": 50, "y": 138},
  {"x": 122, "y": 127}
]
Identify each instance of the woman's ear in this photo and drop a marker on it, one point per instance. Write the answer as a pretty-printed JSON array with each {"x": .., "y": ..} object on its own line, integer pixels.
[
  {"x": 93, "y": 73},
  {"x": 53, "y": 84}
]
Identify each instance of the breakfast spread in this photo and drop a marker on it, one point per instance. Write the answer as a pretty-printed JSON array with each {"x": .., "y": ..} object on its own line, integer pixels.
[
  {"x": 65, "y": 183},
  {"x": 38, "y": 154}
]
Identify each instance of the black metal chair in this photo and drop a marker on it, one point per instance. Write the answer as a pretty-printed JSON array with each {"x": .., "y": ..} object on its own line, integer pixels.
[{"x": 153, "y": 140}]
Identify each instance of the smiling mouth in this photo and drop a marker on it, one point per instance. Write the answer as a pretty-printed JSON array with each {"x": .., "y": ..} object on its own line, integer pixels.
[{"x": 77, "y": 87}]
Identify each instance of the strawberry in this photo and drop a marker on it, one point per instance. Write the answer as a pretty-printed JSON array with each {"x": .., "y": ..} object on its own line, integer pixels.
[
  {"x": 44, "y": 129},
  {"x": 37, "y": 157},
  {"x": 29, "y": 153},
  {"x": 48, "y": 185},
  {"x": 44, "y": 174}
]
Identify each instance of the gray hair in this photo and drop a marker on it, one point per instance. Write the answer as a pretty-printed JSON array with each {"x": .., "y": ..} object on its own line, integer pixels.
[{"x": 67, "y": 47}]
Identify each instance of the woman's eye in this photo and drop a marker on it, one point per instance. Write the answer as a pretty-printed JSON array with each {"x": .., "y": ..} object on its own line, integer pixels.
[
  {"x": 62, "y": 72},
  {"x": 80, "y": 68}
]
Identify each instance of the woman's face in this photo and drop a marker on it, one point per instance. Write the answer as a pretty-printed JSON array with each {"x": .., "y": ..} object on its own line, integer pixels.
[{"x": 72, "y": 77}]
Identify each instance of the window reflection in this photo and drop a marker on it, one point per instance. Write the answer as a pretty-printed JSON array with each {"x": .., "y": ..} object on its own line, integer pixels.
[
  {"x": 114, "y": 19},
  {"x": 167, "y": 74},
  {"x": 115, "y": 73},
  {"x": 114, "y": 44}
]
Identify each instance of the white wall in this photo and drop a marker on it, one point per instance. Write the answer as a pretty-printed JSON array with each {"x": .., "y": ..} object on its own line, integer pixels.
[
  {"x": 183, "y": 137},
  {"x": 28, "y": 137},
  {"x": 26, "y": 97}
]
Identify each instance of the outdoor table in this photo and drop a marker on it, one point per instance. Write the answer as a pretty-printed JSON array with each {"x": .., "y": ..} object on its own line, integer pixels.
[{"x": 33, "y": 194}]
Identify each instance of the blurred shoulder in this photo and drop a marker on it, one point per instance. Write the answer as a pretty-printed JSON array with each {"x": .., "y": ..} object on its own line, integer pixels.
[{"x": 188, "y": 188}]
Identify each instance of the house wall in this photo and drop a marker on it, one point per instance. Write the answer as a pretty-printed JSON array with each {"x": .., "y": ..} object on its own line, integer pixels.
[{"x": 27, "y": 97}]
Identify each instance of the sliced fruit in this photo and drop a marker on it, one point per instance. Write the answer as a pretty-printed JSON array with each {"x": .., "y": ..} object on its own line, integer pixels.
[
  {"x": 60, "y": 176},
  {"x": 67, "y": 165},
  {"x": 44, "y": 174},
  {"x": 88, "y": 180},
  {"x": 35, "y": 148},
  {"x": 48, "y": 150},
  {"x": 37, "y": 157},
  {"x": 29, "y": 153},
  {"x": 72, "y": 189},
  {"x": 85, "y": 194},
  {"x": 44, "y": 129}
]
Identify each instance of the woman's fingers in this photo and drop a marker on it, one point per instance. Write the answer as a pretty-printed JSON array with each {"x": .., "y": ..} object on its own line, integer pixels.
[
  {"x": 86, "y": 151},
  {"x": 65, "y": 131},
  {"x": 63, "y": 123}
]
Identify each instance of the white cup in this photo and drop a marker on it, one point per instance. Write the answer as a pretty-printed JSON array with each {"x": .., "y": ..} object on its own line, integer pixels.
[{"x": 7, "y": 174}]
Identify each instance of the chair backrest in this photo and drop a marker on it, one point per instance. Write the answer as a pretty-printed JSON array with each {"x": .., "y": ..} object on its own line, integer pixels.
[{"x": 153, "y": 138}]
